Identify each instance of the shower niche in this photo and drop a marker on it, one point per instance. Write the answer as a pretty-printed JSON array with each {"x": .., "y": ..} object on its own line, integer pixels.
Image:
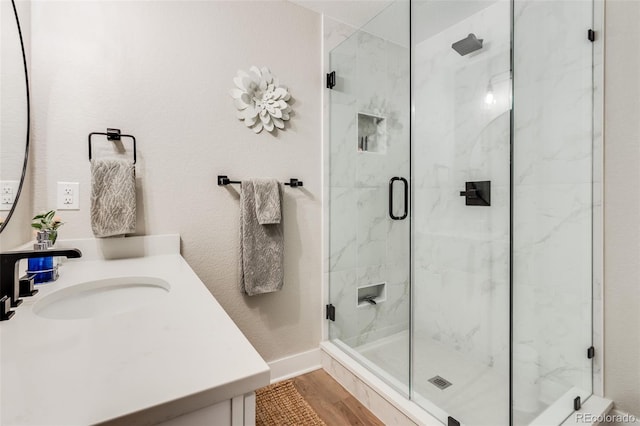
[
  {"x": 372, "y": 133},
  {"x": 372, "y": 294}
]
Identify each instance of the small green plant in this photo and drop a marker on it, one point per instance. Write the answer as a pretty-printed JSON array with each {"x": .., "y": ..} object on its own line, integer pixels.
[{"x": 47, "y": 221}]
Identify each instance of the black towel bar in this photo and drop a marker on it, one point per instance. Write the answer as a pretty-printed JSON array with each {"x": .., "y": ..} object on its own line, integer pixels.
[
  {"x": 114, "y": 135},
  {"x": 224, "y": 180}
]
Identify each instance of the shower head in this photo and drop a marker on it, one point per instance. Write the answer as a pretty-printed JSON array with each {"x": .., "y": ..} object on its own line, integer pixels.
[{"x": 467, "y": 45}]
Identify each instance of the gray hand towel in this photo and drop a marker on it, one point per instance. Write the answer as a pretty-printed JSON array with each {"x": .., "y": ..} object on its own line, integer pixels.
[
  {"x": 113, "y": 197},
  {"x": 267, "y": 198},
  {"x": 261, "y": 246}
]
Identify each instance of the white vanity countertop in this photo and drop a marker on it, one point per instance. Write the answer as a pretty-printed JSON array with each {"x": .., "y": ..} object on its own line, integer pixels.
[{"x": 175, "y": 355}]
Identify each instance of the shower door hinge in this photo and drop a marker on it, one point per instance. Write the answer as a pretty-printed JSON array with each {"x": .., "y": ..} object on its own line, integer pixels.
[
  {"x": 591, "y": 352},
  {"x": 452, "y": 422},
  {"x": 577, "y": 404},
  {"x": 331, "y": 312},
  {"x": 591, "y": 35},
  {"x": 331, "y": 80}
]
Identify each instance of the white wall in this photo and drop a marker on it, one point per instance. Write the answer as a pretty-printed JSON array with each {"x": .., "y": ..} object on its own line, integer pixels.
[
  {"x": 162, "y": 72},
  {"x": 622, "y": 206}
]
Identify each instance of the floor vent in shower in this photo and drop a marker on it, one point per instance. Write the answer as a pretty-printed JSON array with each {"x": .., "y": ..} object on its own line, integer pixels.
[{"x": 440, "y": 382}]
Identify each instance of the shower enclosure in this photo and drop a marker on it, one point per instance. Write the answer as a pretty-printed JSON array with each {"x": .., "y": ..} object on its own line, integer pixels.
[{"x": 460, "y": 174}]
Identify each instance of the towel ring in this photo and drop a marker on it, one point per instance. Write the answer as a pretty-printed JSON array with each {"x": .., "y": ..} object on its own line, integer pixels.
[{"x": 114, "y": 135}]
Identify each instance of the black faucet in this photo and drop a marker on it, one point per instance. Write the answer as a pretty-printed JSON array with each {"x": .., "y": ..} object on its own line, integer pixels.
[{"x": 9, "y": 281}]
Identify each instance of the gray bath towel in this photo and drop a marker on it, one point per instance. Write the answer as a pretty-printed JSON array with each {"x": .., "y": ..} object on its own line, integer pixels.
[
  {"x": 261, "y": 246},
  {"x": 113, "y": 197}
]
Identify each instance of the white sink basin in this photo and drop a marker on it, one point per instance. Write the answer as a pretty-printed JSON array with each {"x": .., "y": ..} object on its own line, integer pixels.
[{"x": 102, "y": 298}]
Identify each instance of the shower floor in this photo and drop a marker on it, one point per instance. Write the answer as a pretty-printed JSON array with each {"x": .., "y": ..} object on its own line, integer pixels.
[{"x": 478, "y": 395}]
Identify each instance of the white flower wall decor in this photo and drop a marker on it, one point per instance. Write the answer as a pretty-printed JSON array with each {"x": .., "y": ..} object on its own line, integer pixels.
[{"x": 261, "y": 101}]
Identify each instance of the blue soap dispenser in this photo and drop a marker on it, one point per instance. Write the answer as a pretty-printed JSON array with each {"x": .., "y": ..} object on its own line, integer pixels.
[{"x": 41, "y": 267}]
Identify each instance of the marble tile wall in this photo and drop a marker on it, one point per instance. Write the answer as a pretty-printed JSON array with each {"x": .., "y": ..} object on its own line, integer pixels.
[
  {"x": 365, "y": 245},
  {"x": 461, "y": 253}
]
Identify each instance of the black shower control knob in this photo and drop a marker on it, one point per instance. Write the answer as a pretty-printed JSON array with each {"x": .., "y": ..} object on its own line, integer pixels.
[
  {"x": 477, "y": 193},
  {"x": 470, "y": 193}
]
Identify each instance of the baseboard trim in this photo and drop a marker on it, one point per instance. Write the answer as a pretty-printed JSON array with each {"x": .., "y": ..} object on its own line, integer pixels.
[{"x": 295, "y": 365}]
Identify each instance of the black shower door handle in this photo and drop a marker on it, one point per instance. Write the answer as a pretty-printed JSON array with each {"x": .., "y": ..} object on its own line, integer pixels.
[{"x": 406, "y": 198}]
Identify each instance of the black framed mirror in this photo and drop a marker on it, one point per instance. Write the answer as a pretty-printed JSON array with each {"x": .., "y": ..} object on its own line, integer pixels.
[{"x": 14, "y": 111}]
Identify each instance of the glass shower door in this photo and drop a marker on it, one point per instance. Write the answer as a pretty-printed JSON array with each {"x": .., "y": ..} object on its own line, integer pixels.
[
  {"x": 461, "y": 204},
  {"x": 369, "y": 259},
  {"x": 552, "y": 209}
]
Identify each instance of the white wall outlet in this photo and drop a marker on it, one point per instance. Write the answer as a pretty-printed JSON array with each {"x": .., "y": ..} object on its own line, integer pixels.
[
  {"x": 68, "y": 196},
  {"x": 8, "y": 191}
]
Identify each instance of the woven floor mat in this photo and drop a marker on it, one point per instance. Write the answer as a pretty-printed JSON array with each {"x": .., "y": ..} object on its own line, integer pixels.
[{"x": 280, "y": 404}]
